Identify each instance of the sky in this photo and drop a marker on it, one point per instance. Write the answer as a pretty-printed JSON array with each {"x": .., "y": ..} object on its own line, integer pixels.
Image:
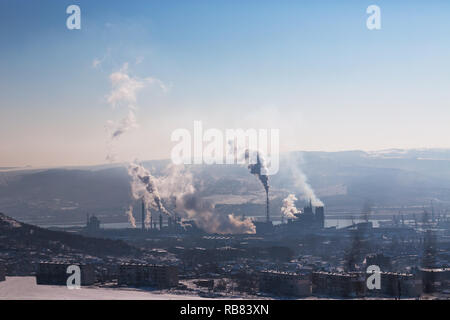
[{"x": 311, "y": 69}]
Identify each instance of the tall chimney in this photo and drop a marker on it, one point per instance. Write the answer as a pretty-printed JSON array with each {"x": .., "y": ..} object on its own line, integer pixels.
[
  {"x": 320, "y": 217},
  {"x": 267, "y": 206},
  {"x": 160, "y": 221},
  {"x": 143, "y": 215}
]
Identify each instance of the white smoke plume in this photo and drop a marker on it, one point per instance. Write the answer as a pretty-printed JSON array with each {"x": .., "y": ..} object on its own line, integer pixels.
[
  {"x": 288, "y": 209},
  {"x": 130, "y": 216},
  {"x": 148, "y": 219},
  {"x": 143, "y": 186},
  {"x": 175, "y": 182},
  {"x": 258, "y": 168},
  {"x": 123, "y": 93},
  {"x": 177, "y": 186},
  {"x": 126, "y": 124},
  {"x": 301, "y": 182},
  {"x": 204, "y": 215},
  {"x": 124, "y": 89},
  {"x": 255, "y": 160}
]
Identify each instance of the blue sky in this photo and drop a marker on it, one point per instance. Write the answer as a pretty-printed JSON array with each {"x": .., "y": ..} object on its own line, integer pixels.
[{"x": 310, "y": 68}]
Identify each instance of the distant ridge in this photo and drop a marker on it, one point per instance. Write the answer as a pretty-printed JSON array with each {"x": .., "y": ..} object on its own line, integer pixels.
[{"x": 35, "y": 240}]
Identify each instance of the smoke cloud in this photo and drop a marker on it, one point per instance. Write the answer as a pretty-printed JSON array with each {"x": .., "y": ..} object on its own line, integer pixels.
[
  {"x": 177, "y": 187},
  {"x": 130, "y": 216},
  {"x": 258, "y": 168},
  {"x": 126, "y": 124},
  {"x": 124, "y": 89},
  {"x": 143, "y": 186},
  {"x": 301, "y": 182},
  {"x": 204, "y": 215},
  {"x": 288, "y": 209},
  {"x": 177, "y": 184},
  {"x": 256, "y": 161}
]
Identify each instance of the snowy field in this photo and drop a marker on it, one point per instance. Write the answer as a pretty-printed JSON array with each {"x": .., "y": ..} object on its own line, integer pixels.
[{"x": 25, "y": 288}]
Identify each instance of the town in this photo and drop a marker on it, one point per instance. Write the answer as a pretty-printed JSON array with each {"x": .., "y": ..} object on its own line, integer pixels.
[{"x": 298, "y": 258}]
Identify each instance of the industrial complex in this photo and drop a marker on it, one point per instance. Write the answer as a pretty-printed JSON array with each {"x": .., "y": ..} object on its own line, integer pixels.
[{"x": 299, "y": 258}]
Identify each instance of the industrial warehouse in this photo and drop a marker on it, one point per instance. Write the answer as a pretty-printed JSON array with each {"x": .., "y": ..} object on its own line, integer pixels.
[
  {"x": 132, "y": 275},
  {"x": 140, "y": 275}
]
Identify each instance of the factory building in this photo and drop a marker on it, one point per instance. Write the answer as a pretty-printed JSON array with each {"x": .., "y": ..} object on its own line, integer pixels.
[
  {"x": 392, "y": 284},
  {"x": 435, "y": 279},
  {"x": 50, "y": 273},
  {"x": 400, "y": 285},
  {"x": 142, "y": 275},
  {"x": 2, "y": 273},
  {"x": 338, "y": 284},
  {"x": 92, "y": 224},
  {"x": 285, "y": 283},
  {"x": 319, "y": 217},
  {"x": 310, "y": 220}
]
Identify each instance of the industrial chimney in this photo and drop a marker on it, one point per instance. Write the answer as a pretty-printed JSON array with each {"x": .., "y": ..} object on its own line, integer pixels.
[
  {"x": 320, "y": 217},
  {"x": 267, "y": 206}
]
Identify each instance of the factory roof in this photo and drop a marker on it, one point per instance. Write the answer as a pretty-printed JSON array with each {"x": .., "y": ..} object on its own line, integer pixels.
[
  {"x": 62, "y": 263},
  {"x": 143, "y": 265},
  {"x": 435, "y": 269},
  {"x": 285, "y": 273}
]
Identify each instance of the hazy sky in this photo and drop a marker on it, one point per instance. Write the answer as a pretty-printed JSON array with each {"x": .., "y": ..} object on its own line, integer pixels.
[{"x": 310, "y": 68}]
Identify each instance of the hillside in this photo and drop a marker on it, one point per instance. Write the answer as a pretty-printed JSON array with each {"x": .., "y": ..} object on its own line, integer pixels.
[
  {"x": 22, "y": 245},
  {"x": 343, "y": 180}
]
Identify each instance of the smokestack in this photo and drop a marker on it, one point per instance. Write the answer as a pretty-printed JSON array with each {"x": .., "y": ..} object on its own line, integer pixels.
[
  {"x": 160, "y": 221},
  {"x": 143, "y": 215},
  {"x": 320, "y": 217},
  {"x": 259, "y": 169}
]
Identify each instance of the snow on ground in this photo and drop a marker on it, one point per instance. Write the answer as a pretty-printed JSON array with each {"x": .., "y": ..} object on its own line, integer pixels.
[{"x": 25, "y": 288}]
